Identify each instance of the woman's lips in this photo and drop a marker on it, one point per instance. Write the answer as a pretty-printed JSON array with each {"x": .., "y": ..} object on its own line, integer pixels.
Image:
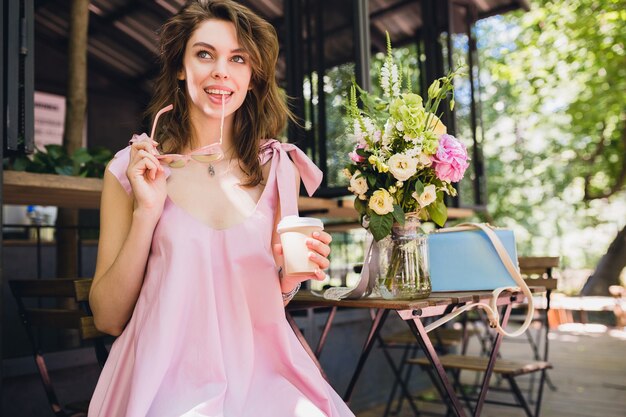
[{"x": 217, "y": 97}]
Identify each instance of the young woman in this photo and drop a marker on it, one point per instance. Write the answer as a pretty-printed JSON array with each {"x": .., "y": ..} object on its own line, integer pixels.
[{"x": 187, "y": 262}]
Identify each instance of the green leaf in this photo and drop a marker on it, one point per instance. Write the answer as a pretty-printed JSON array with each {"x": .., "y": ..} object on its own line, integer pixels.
[
  {"x": 21, "y": 163},
  {"x": 419, "y": 187},
  {"x": 81, "y": 156},
  {"x": 398, "y": 214},
  {"x": 362, "y": 152},
  {"x": 55, "y": 151},
  {"x": 359, "y": 205},
  {"x": 64, "y": 170},
  {"x": 438, "y": 212},
  {"x": 380, "y": 226},
  {"x": 371, "y": 180}
]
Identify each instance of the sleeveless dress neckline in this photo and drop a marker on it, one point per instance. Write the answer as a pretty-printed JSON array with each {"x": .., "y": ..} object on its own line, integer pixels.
[
  {"x": 208, "y": 335},
  {"x": 270, "y": 178}
]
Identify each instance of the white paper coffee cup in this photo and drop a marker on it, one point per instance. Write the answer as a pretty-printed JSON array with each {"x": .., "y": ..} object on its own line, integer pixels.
[{"x": 294, "y": 231}]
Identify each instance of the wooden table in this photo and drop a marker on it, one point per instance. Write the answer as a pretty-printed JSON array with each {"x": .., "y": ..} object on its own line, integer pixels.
[{"x": 412, "y": 312}]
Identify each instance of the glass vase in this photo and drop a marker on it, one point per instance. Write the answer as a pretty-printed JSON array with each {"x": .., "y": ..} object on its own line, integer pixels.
[{"x": 404, "y": 272}]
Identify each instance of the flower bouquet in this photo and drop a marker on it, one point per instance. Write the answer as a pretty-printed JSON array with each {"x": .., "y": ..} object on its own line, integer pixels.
[{"x": 403, "y": 164}]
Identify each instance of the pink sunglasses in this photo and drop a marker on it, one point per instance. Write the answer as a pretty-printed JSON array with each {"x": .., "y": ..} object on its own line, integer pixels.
[{"x": 206, "y": 154}]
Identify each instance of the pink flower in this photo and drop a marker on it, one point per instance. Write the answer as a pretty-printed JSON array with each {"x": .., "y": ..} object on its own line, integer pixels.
[
  {"x": 450, "y": 161},
  {"x": 355, "y": 156}
]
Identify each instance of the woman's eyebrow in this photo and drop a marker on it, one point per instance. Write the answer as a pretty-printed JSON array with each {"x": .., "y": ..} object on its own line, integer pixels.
[{"x": 211, "y": 47}]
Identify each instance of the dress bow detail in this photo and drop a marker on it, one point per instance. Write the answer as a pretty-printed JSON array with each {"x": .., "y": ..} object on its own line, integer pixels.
[{"x": 310, "y": 174}]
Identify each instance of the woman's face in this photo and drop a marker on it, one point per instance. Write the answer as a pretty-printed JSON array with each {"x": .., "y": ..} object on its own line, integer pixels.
[{"x": 215, "y": 66}]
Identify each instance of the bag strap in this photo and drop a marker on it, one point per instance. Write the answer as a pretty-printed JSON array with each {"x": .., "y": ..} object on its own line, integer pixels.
[{"x": 491, "y": 309}]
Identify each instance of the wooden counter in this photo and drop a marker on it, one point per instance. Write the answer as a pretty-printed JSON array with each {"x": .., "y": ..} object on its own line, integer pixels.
[{"x": 51, "y": 190}]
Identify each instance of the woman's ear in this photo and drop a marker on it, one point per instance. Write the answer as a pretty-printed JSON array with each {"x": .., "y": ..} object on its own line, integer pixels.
[{"x": 181, "y": 74}]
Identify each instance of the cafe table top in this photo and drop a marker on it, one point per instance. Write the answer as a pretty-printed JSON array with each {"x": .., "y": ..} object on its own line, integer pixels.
[{"x": 307, "y": 299}]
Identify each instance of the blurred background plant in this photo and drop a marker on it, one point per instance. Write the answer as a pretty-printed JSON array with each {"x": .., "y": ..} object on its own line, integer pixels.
[{"x": 83, "y": 162}]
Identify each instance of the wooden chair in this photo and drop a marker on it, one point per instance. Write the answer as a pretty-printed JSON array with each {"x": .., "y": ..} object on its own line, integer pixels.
[
  {"x": 537, "y": 272},
  {"x": 58, "y": 317},
  {"x": 443, "y": 339}
]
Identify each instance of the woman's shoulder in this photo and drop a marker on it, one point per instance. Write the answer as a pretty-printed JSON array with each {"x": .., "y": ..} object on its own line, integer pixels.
[{"x": 119, "y": 164}]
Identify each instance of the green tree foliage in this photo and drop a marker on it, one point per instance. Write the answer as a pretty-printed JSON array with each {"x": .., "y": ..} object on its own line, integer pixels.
[{"x": 554, "y": 111}]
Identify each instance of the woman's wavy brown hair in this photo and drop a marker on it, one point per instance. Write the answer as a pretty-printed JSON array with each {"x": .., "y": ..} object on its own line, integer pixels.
[{"x": 263, "y": 113}]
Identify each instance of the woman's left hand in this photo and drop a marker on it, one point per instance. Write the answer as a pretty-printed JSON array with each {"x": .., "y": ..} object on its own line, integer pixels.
[{"x": 320, "y": 249}]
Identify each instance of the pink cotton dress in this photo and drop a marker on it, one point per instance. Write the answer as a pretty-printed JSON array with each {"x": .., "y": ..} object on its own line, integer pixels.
[{"x": 208, "y": 335}]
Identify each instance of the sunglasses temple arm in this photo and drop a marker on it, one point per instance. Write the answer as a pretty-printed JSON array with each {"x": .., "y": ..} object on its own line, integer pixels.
[{"x": 156, "y": 118}]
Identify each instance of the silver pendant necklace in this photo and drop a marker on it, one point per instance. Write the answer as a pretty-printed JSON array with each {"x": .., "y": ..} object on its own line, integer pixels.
[{"x": 211, "y": 170}]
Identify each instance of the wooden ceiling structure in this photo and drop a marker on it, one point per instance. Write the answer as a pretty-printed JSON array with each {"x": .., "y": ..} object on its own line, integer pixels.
[
  {"x": 123, "y": 33},
  {"x": 315, "y": 35}
]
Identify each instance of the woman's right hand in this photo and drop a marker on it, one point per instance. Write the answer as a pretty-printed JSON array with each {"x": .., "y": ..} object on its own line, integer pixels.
[{"x": 147, "y": 178}]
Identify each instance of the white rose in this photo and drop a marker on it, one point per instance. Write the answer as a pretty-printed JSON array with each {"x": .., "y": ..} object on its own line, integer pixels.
[
  {"x": 358, "y": 185},
  {"x": 424, "y": 160},
  {"x": 402, "y": 167},
  {"x": 381, "y": 202},
  {"x": 428, "y": 196}
]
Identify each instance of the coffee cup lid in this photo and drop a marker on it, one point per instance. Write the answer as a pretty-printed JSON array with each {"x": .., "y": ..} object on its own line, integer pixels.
[{"x": 289, "y": 222}]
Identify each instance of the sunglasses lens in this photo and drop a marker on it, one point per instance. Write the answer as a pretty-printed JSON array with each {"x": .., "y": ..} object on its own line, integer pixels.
[
  {"x": 208, "y": 157},
  {"x": 174, "y": 161},
  {"x": 177, "y": 163}
]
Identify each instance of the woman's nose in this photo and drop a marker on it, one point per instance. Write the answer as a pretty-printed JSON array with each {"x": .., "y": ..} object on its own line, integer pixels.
[{"x": 220, "y": 71}]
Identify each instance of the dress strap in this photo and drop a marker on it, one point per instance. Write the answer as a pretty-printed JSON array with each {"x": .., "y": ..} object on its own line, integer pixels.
[{"x": 310, "y": 174}]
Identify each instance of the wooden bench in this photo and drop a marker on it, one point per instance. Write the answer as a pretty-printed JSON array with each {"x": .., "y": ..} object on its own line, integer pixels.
[
  {"x": 508, "y": 369},
  {"x": 445, "y": 337},
  {"x": 479, "y": 364}
]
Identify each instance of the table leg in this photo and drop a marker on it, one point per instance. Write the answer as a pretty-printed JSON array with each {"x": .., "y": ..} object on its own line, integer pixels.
[
  {"x": 492, "y": 361},
  {"x": 442, "y": 378},
  {"x": 377, "y": 323},
  {"x": 327, "y": 326}
]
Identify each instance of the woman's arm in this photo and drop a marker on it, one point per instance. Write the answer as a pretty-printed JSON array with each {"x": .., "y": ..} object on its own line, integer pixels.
[
  {"x": 318, "y": 246},
  {"x": 126, "y": 227}
]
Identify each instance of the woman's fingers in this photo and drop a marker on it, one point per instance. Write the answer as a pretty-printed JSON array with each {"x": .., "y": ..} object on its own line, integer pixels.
[
  {"x": 323, "y": 237},
  {"x": 319, "y": 247},
  {"x": 151, "y": 167},
  {"x": 143, "y": 158},
  {"x": 319, "y": 275},
  {"x": 146, "y": 146},
  {"x": 320, "y": 260}
]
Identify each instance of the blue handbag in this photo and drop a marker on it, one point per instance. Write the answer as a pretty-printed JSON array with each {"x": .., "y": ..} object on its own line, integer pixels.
[
  {"x": 475, "y": 256},
  {"x": 465, "y": 259}
]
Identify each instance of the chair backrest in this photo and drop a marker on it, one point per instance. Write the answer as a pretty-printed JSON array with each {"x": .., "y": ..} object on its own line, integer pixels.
[
  {"x": 537, "y": 270},
  {"x": 64, "y": 315}
]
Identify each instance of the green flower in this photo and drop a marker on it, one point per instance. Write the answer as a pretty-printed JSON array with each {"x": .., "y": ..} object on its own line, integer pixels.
[
  {"x": 410, "y": 111},
  {"x": 431, "y": 142}
]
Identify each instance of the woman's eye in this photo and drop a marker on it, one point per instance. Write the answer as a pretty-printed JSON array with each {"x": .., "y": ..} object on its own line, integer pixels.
[
  {"x": 239, "y": 59},
  {"x": 204, "y": 54}
]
